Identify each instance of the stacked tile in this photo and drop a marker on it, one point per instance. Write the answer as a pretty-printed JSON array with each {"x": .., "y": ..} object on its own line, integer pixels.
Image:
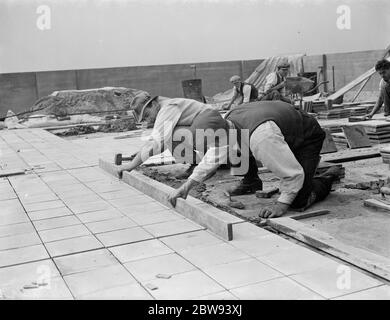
[
  {"x": 377, "y": 130},
  {"x": 339, "y": 139},
  {"x": 318, "y": 106},
  {"x": 385, "y": 153},
  {"x": 334, "y": 113},
  {"x": 333, "y": 128}
]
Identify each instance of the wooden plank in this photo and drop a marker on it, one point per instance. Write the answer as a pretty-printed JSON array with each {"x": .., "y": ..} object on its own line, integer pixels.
[
  {"x": 363, "y": 259},
  {"x": 311, "y": 214},
  {"x": 356, "y": 136},
  {"x": 11, "y": 172},
  {"x": 217, "y": 221},
  {"x": 328, "y": 146},
  {"x": 377, "y": 204}
]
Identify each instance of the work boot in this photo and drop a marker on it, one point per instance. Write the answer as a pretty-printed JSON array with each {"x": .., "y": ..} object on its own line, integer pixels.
[
  {"x": 246, "y": 187},
  {"x": 333, "y": 173},
  {"x": 186, "y": 174}
]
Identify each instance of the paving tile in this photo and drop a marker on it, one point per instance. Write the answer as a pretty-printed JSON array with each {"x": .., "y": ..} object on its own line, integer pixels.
[
  {"x": 213, "y": 255},
  {"x": 54, "y": 223},
  {"x": 248, "y": 231},
  {"x": 126, "y": 292},
  {"x": 191, "y": 240},
  {"x": 44, "y": 205},
  {"x": 148, "y": 269},
  {"x": 331, "y": 282},
  {"x": 133, "y": 201},
  {"x": 263, "y": 245},
  {"x": 73, "y": 245},
  {"x": 142, "y": 209},
  {"x": 296, "y": 260},
  {"x": 156, "y": 217},
  {"x": 94, "y": 281},
  {"x": 30, "y": 199},
  {"x": 140, "y": 250},
  {"x": 19, "y": 241},
  {"x": 172, "y": 228},
  {"x": 81, "y": 207},
  {"x": 15, "y": 229},
  {"x": 377, "y": 293},
  {"x": 99, "y": 215},
  {"x": 241, "y": 273},
  {"x": 22, "y": 255},
  {"x": 85, "y": 261},
  {"x": 50, "y": 213},
  {"x": 111, "y": 225},
  {"x": 183, "y": 286},
  {"x": 123, "y": 236},
  {"x": 127, "y": 193},
  {"x": 63, "y": 233},
  {"x": 224, "y": 295},
  {"x": 275, "y": 289},
  {"x": 105, "y": 186}
]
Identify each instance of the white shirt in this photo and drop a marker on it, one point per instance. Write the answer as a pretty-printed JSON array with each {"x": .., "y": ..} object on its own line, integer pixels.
[
  {"x": 271, "y": 80},
  {"x": 268, "y": 146},
  {"x": 246, "y": 90}
]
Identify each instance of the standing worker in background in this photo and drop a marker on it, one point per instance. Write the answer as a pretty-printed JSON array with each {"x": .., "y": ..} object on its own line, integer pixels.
[
  {"x": 275, "y": 84},
  {"x": 383, "y": 68},
  {"x": 246, "y": 92}
]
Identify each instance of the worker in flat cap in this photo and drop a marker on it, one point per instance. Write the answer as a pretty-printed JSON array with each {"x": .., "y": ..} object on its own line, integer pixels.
[
  {"x": 287, "y": 141},
  {"x": 275, "y": 83},
  {"x": 167, "y": 115},
  {"x": 242, "y": 92}
]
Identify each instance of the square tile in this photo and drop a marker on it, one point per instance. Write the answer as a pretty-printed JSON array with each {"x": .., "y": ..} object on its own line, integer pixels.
[
  {"x": 172, "y": 228},
  {"x": 213, "y": 255},
  {"x": 64, "y": 233},
  {"x": 73, "y": 245},
  {"x": 15, "y": 229},
  {"x": 58, "y": 222},
  {"x": 149, "y": 207},
  {"x": 82, "y": 207},
  {"x": 98, "y": 280},
  {"x": 336, "y": 280},
  {"x": 224, "y": 295},
  {"x": 191, "y": 240},
  {"x": 111, "y": 225},
  {"x": 50, "y": 213},
  {"x": 276, "y": 289},
  {"x": 132, "y": 201},
  {"x": 99, "y": 215},
  {"x": 56, "y": 289},
  {"x": 156, "y": 217},
  {"x": 127, "y": 193},
  {"x": 22, "y": 255},
  {"x": 140, "y": 250},
  {"x": 241, "y": 273},
  {"x": 44, "y": 205},
  {"x": 85, "y": 261},
  {"x": 131, "y": 291},
  {"x": 19, "y": 241},
  {"x": 183, "y": 286},
  {"x": 377, "y": 293},
  {"x": 248, "y": 231},
  {"x": 168, "y": 264},
  {"x": 123, "y": 236},
  {"x": 296, "y": 259}
]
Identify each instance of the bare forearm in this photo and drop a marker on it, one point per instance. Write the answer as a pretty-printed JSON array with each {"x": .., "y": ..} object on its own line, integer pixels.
[
  {"x": 377, "y": 106},
  {"x": 137, "y": 161}
]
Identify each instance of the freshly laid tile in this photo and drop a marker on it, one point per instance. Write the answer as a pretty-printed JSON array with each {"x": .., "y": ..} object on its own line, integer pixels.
[
  {"x": 98, "y": 280},
  {"x": 131, "y": 291},
  {"x": 82, "y": 207},
  {"x": 150, "y": 268},
  {"x": 53, "y": 204},
  {"x": 123, "y": 236},
  {"x": 172, "y": 227},
  {"x": 58, "y": 222},
  {"x": 56, "y": 289},
  {"x": 85, "y": 261},
  {"x": 213, "y": 255},
  {"x": 241, "y": 273},
  {"x": 377, "y": 293},
  {"x": 140, "y": 250},
  {"x": 144, "y": 208},
  {"x": 50, "y": 213},
  {"x": 15, "y": 229},
  {"x": 73, "y": 245},
  {"x": 188, "y": 285},
  {"x": 275, "y": 289},
  {"x": 63, "y": 233},
  {"x": 22, "y": 255},
  {"x": 99, "y": 215},
  {"x": 110, "y": 225},
  {"x": 224, "y": 295},
  {"x": 336, "y": 280},
  {"x": 19, "y": 241}
]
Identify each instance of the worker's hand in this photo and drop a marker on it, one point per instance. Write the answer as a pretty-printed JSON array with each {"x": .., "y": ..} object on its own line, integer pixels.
[
  {"x": 368, "y": 116},
  {"x": 274, "y": 211},
  {"x": 119, "y": 170},
  {"x": 178, "y": 193}
]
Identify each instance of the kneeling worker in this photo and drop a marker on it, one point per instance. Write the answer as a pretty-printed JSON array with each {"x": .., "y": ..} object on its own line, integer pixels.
[
  {"x": 288, "y": 142},
  {"x": 244, "y": 92}
]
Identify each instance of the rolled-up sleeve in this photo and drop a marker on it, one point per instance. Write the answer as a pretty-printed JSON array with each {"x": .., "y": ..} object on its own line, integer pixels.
[
  {"x": 270, "y": 81},
  {"x": 268, "y": 145},
  {"x": 247, "y": 93}
]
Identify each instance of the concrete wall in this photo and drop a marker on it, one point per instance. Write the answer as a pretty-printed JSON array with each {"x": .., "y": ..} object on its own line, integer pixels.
[{"x": 19, "y": 91}]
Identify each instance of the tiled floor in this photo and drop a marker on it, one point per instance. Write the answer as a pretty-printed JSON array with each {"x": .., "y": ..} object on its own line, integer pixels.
[{"x": 70, "y": 231}]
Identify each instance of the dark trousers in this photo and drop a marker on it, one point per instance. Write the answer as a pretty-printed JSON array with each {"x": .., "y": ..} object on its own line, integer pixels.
[
  {"x": 385, "y": 92},
  {"x": 314, "y": 189}
]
